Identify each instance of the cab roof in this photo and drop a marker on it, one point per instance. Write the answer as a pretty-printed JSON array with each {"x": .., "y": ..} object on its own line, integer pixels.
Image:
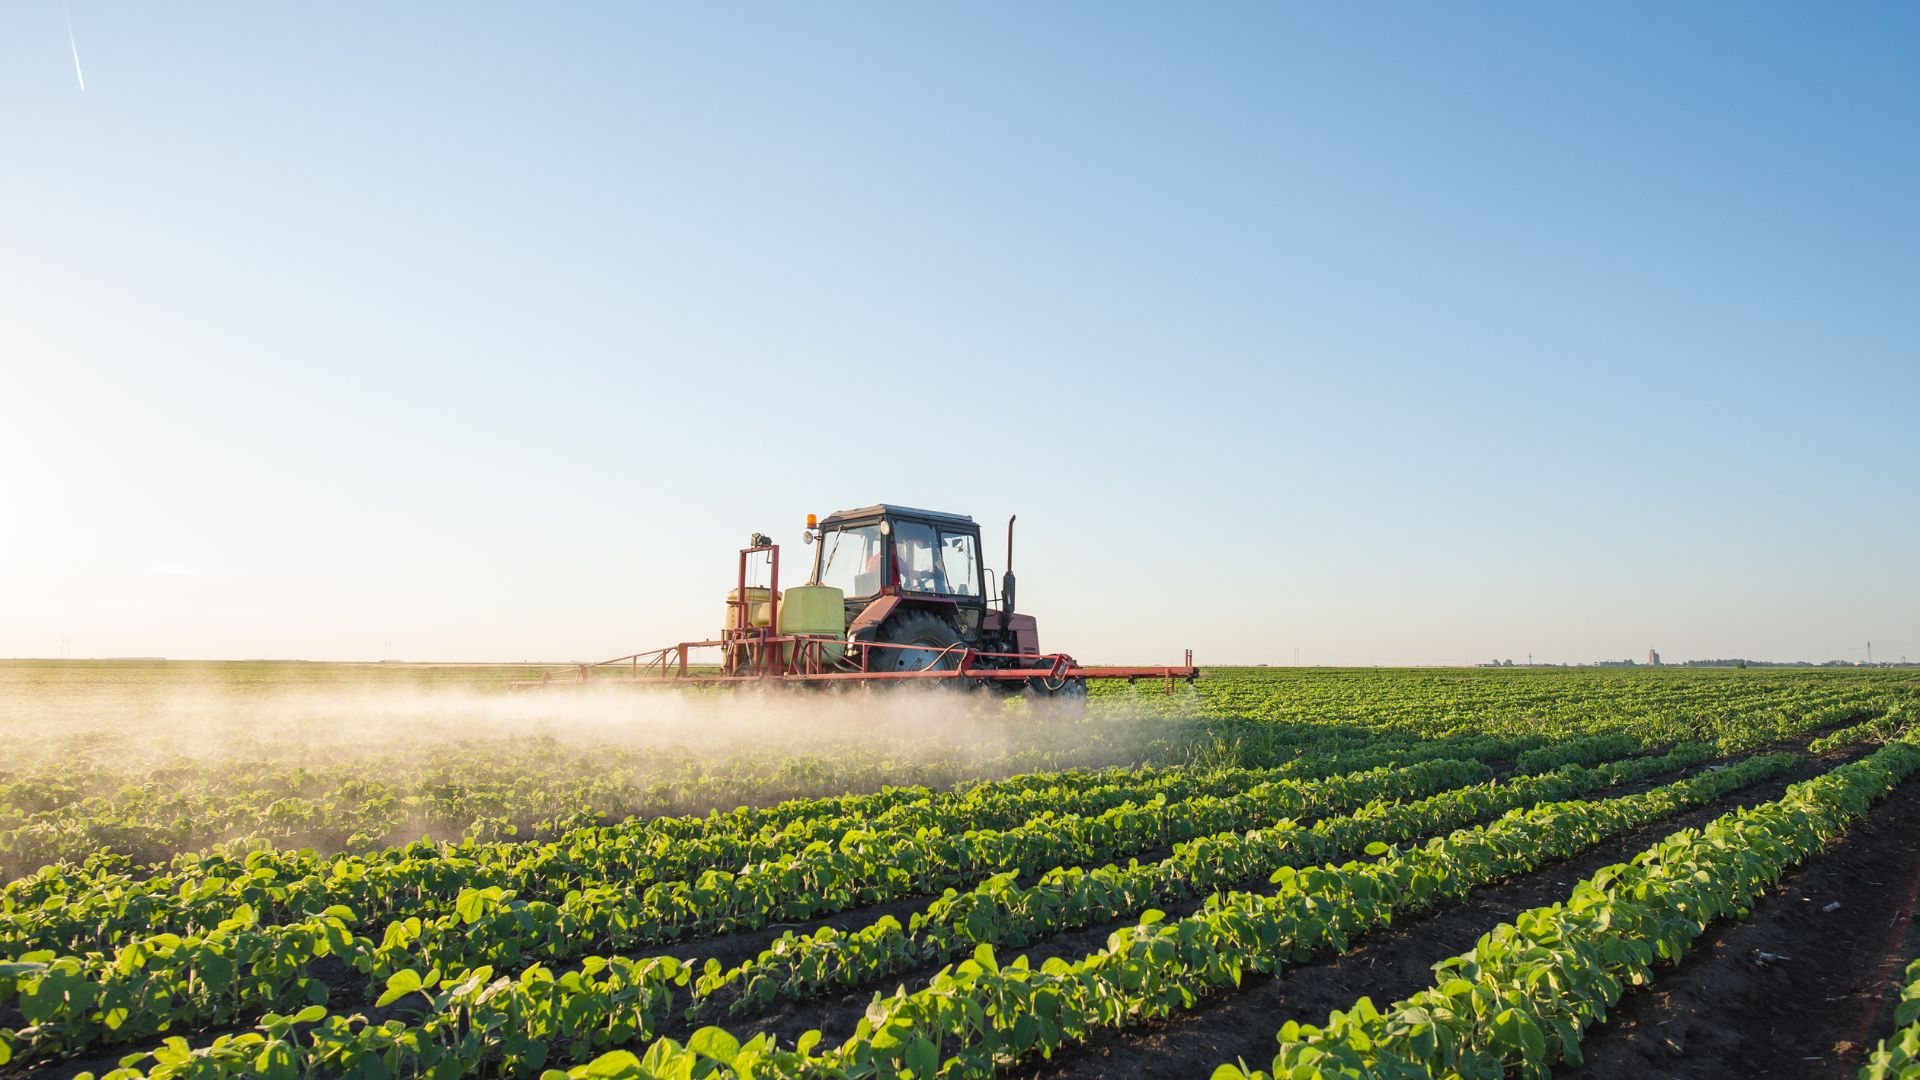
[{"x": 890, "y": 510}]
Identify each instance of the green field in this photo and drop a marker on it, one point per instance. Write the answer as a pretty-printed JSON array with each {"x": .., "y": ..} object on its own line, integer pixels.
[{"x": 401, "y": 870}]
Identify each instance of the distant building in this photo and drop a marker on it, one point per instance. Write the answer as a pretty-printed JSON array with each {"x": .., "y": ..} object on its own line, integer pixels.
[{"x": 1653, "y": 658}]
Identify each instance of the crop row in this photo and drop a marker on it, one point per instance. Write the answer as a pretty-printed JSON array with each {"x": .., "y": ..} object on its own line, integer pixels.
[
  {"x": 979, "y": 1013},
  {"x": 241, "y": 968},
  {"x": 1724, "y": 707},
  {"x": 1518, "y": 1002},
  {"x": 1881, "y": 727}
]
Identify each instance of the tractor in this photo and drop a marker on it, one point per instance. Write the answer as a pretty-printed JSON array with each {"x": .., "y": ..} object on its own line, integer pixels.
[{"x": 896, "y": 595}]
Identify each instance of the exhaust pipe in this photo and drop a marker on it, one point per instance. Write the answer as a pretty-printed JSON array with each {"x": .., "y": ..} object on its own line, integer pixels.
[{"x": 1006, "y": 579}]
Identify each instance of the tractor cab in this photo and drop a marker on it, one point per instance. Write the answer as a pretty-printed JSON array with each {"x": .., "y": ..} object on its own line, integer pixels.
[{"x": 922, "y": 558}]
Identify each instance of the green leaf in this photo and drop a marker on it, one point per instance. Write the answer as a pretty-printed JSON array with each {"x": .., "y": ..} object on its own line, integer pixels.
[
  {"x": 923, "y": 1057},
  {"x": 276, "y": 1062},
  {"x": 1519, "y": 1031},
  {"x": 470, "y": 905},
  {"x": 614, "y": 1063},
  {"x": 399, "y": 985},
  {"x": 983, "y": 955},
  {"x": 715, "y": 1043},
  {"x": 1569, "y": 1041}
]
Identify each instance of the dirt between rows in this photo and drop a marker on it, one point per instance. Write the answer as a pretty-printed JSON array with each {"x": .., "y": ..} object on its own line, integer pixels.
[
  {"x": 1387, "y": 965},
  {"x": 1794, "y": 990}
]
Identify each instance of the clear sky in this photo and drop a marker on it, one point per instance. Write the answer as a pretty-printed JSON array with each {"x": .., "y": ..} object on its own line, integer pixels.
[{"x": 1388, "y": 333}]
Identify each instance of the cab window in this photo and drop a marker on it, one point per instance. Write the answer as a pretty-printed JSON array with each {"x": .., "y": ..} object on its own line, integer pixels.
[
  {"x": 935, "y": 560},
  {"x": 913, "y": 549},
  {"x": 850, "y": 560},
  {"x": 957, "y": 567}
]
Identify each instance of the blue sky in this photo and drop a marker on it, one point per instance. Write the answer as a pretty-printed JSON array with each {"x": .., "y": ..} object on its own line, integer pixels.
[{"x": 1391, "y": 334}]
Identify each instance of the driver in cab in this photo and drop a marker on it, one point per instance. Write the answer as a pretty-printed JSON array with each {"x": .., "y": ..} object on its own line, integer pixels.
[{"x": 913, "y": 553}]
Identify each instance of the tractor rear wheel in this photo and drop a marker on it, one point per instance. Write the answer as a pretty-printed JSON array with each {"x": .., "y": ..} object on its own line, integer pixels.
[{"x": 935, "y": 644}]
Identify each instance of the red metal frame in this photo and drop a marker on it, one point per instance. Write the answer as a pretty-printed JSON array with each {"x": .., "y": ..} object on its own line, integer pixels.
[
  {"x": 802, "y": 658},
  {"x": 743, "y": 634}
]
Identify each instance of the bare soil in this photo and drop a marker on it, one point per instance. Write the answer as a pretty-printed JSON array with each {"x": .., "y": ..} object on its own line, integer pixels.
[{"x": 1801, "y": 988}]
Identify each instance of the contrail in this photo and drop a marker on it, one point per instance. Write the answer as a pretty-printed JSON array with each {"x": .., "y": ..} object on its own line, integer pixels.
[{"x": 75, "y": 46}]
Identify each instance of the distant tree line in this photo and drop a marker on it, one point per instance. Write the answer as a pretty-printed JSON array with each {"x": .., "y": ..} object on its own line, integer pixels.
[{"x": 1790, "y": 663}]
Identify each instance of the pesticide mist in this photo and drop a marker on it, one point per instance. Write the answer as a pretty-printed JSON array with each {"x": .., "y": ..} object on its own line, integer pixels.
[{"x": 151, "y": 759}]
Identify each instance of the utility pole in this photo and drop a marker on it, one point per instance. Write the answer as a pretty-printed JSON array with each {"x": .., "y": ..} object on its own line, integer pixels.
[
  {"x": 1296, "y": 656},
  {"x": 1529, "y": 659},
  {"x": 1869, "y": 654}
]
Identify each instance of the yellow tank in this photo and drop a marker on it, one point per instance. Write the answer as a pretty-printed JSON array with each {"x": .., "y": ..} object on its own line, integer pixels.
[
  {"x": 757, "y": 597},
  {"x": 815, "y": 609}
]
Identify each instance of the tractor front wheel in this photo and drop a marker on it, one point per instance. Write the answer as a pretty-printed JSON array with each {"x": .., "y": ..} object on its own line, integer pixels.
[{"x": 933, "y": 644}]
